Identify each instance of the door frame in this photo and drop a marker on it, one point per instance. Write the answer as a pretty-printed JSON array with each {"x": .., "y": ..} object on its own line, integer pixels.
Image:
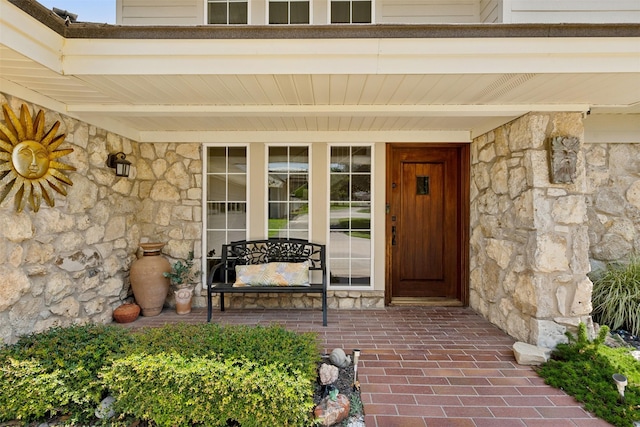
[{"x": 463, "y": 220}]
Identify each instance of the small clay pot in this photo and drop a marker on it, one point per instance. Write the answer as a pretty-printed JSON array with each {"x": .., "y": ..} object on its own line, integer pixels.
[{"x": 126, "y": 313}]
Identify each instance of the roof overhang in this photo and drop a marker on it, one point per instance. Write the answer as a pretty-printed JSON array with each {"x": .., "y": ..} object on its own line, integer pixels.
[{"x": 345, "y": 83}]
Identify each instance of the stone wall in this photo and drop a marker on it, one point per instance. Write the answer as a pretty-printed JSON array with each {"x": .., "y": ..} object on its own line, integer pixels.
[
  {"x": 69, "y": 263},
  {"x": 529, "y": 238},
  {"x": 613, "y": 203}
]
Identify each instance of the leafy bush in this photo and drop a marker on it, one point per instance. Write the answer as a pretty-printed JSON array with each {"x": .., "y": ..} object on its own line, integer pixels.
[
  {"x": 57, "y": 370},
  {"x": 584, "y": 369},
  {"x": 264, "y": 345},
  {"x": 616, "y": 295},
  {"x": 173, "y": 390}
]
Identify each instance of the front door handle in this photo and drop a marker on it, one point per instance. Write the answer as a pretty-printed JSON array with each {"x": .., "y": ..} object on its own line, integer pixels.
[{"x": 393, "y": 235}]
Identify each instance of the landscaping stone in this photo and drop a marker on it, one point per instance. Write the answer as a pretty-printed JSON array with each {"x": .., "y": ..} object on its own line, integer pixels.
[
  {"x": 330, "y": 412},
  {"x": 527, "y": 354},
  {"x": 328, "y": 374}
]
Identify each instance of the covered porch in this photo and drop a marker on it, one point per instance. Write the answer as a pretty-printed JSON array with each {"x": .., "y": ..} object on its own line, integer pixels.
[{"x": 423, "y": 366}]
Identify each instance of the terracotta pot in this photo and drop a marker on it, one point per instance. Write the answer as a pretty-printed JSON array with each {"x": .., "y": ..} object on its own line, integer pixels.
[
  {"x": 126, "y": 313},
  {"x": 183, "y": 300},
  {"x": 149, "y": 286}
]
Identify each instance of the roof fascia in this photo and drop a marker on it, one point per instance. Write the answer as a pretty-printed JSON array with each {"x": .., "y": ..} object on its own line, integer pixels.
[{"x": 351, "y": 56}]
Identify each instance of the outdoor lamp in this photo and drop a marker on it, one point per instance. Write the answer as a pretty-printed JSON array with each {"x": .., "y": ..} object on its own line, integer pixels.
[
  {"x": 621, "y": 383},
  {"x": 120, "y": 163}
]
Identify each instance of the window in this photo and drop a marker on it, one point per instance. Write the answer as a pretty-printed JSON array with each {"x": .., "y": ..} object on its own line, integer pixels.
[
  {"x": 288, "y": 190},
  {"x": 350, "y": 12},
  {"x": 288, "y": 12},
  {"x": 227, "y": 11},
  {"x": 350, "y": 216},
  {"x": 226, "y": 198}
]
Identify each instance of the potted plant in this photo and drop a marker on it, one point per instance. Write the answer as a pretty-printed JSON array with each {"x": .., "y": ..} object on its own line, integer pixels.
[{"x": 183, "y": 277}]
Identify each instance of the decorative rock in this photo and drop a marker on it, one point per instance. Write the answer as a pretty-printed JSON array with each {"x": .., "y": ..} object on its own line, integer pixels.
[
  {"x": 330, "y": 412},
  {"x": 105, "y": 409},
  {"x": 527, "y": 354},
  {"x": 328, "y": 374},
  {"x": 339, "y": 358}
]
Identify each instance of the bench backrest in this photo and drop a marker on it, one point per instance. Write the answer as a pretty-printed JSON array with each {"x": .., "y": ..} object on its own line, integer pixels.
[{"x": 272, "y": 250}]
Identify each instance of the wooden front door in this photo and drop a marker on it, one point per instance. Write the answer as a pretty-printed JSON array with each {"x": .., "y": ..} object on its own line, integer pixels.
[{"x": 427, "y": 223}]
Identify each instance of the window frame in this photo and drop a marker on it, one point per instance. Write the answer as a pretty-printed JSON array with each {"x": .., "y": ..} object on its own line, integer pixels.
[
  {"x": 372, "y": 224},
  {"x": 330, "y": 8},
  {"x": 207, "y": 260},
  {"x": 267, "y": 11},
  {"x": 309, "y": 148},
  {"x": 206, "y": 10}
]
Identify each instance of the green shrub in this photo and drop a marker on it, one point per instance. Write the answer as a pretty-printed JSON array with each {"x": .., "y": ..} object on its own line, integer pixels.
[
  {"x": 264, "y": 345},
  {"x": 584, "y": 369},
  {"x": 174, "y": 390},
  {"x": 616, "y": 295},
  {"x": 60, "y": 366},
  {"x": 57, "y": 372}
]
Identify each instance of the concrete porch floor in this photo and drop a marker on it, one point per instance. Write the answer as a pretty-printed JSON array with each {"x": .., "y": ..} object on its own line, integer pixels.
[{"x": 423, "y": 366}]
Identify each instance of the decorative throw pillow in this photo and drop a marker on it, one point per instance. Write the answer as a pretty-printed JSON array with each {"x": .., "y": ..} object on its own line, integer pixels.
[{"x": 273, "y": 274}]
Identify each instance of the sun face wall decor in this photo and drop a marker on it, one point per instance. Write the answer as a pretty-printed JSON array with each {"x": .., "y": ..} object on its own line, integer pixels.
[{"x": 29, "y": 168}]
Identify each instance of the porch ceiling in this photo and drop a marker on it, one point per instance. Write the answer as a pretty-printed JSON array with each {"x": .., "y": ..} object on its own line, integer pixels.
[{"x": 208, "y": 90}]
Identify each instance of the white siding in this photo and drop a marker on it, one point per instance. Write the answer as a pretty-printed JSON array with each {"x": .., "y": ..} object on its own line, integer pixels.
[
  {"x": 160, "y": 12},
  {"x": 572, "y": 11},
  {"x": 490, "y": 11},
  {"x": 427, "y": 11}
]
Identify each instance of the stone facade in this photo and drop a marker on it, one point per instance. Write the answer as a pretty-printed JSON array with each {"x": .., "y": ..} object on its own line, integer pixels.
[
  {"x": 69, "y": 264},
  {"x": 613, "y": 203},
  {"x": 531, "y": 241},
  {"x": 529, "y": 238}
]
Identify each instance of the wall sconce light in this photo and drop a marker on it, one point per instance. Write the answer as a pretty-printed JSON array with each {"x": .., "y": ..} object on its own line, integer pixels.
[{"x": 119, "y": 163}]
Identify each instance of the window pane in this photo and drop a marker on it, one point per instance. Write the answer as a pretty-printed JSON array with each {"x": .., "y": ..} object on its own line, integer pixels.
[
  {"x": 360, "y": 245},
  {"x": 234, "y": 236},
  {"x": 361, "y": 12},
  {"x": 296, "y": 234},
  {"x": 216, "y": 188},
  {"x": 300, "y": 156},
  {"x": 340, "y": 12},
  {"x": 339, "y": 187},
  {"x": 299, "y": 187},
  {"x": 278, "y": 159},
  {"x": 237, "y": 160},
  {"x": 217, "y": 13},
  {"x": 360, "y": 272},
  {"x": 278, "y": 13},
  {"x": 340, "y": 159},
  {"x": 237, "y": 188},
  {"x": 362, "y": 159},
  {"x": 339, "y": 272},
  {"x": 215, "y": 240},
  {"x": 278, "y": 187},
  {"x": 216, "y": 160},
  {"x": 238, "y": 13},
  {"x": 299, "y": 216},
  {"x": 216, "y": 215},
  {"x": 339, "y": 216},
  {"x": 361, "y": 187},
  {"x": 360, "y": 217},
  {"x": 299, "y": 12},
  {"x": 237, "y": 215}
]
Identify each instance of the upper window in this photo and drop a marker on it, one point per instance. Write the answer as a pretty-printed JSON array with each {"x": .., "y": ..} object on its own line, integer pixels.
[
  {"x": 350, "y": 12},
  {"x": 227, "y": 11},
  {"x": 288, "y": 189},
  {"x": 288, "y": 12}
]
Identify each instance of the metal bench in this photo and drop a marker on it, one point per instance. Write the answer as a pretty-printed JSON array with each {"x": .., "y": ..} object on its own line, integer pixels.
[{"x": 251, "y": 252}]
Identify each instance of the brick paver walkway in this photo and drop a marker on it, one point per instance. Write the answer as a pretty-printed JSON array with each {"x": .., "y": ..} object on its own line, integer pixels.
[{"x": 425, "y": 366}]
